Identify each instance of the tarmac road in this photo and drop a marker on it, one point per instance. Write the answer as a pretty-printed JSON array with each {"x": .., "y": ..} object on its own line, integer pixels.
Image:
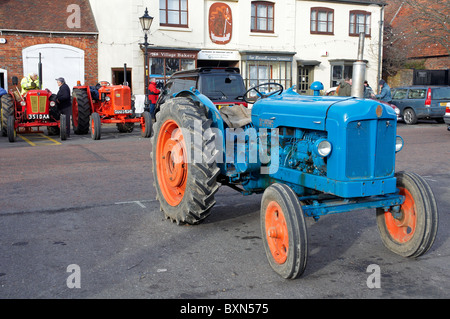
[{"x": 92, "y": 204}]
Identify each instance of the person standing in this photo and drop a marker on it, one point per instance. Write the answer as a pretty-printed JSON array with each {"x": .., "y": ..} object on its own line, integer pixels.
[
  {"x": 30, "y": 82},
  {"x": 153, "y": 96},
  {"x": 368, "y": 92},
  {"x": 64, "y": 101},
  {"x": 345, "y": 87},
  {"x": 385, "y": 92}
]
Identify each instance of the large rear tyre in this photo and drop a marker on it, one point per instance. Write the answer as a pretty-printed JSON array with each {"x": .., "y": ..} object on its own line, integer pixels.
[
  {"x": 11, "y": 129},
  {"x": 81, "y": 111},
  {"x": 412, "y": 231},
  {"x": 185, "y": 187},
  {"x": 96, "y": 126},
  {"x": 55, "y": 116},
  {"x": 6, "y": 110},
  {"x": 285, "y": 236}
]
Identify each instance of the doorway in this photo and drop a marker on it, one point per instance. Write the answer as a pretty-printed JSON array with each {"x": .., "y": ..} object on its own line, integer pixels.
[
  {"x": 118, "y": 77},
  {"x": 4, "y": 79},
  {"x": 305, "y": 78}
]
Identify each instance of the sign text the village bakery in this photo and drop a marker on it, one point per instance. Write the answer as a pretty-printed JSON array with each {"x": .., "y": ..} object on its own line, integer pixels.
[{"x": 173, "y": 55}]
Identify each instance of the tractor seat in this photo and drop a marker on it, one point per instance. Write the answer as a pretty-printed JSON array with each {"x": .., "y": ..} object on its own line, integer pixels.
[{"x": 236, "y": 116}]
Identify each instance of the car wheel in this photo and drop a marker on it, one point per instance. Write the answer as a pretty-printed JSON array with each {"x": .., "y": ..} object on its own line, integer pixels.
[{"x": 409, "y": 116}]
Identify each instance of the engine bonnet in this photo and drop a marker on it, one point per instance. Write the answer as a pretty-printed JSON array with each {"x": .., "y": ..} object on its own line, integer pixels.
[{"x": 312, "y": 112}]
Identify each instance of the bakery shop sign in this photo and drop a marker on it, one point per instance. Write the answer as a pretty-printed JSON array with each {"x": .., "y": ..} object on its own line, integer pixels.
[{"x": 220, "y": 23}]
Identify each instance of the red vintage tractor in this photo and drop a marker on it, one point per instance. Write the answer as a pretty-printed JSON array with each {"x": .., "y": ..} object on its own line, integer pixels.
[
  {"x": 35, "y": 109},
  {"x": 112, "y": 104}
]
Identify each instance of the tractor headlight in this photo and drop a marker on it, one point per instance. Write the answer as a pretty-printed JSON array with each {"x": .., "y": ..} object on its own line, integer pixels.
[
  {"x": 52, "y": 103},
  {"x": 23, "y": 103},
  {"x": 322, "y": 147},
  {"x": 107, "y": 99},
  {"x": 399, "y": 144}
]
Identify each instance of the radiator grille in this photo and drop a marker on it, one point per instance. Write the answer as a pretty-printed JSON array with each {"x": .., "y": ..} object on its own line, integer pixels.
[
  {"x": 38, "y": 104},
  {"x": 370, "y": 149}
]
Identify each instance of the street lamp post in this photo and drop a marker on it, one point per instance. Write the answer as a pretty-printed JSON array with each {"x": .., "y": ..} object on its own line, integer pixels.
[{"x": 146, "y": 21}]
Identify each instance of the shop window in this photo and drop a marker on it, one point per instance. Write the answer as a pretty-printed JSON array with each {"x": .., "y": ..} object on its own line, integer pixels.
[
  {"x": 165, "y": 67},
  {"x": 259, "y": 72},
  {"x": 173, "y": 13},
  {"x": 340, "y": 71}
]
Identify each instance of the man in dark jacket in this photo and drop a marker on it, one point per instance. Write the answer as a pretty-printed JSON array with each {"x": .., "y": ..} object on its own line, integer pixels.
[{"x": 64, "y": 101}]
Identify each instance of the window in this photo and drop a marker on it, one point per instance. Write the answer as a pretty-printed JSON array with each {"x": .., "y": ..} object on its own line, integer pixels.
[
  {"x": 340, "y": 70},
  {"x": 262, "y": 16},
  {"x": 259, "y": 72},
  {"x": 359, "y": 22},
  {"x": 416, "y": 94},
  {"x": 400, "y": 94},
  {"x": 173, "y": 13},
  {"x": 322, "y": 20},
  {"x": 165, "y": 67}
]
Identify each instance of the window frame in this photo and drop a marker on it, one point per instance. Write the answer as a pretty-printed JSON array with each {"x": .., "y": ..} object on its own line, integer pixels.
[
  {"x": 316, "y": 24},
  {"x": 355, "y": 24},
  {"x": 254, "y": 18},
  {"x": 166, "y": 11}
]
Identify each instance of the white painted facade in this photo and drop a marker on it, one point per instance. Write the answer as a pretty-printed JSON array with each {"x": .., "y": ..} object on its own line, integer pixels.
[{"x": 120, "y": 34}]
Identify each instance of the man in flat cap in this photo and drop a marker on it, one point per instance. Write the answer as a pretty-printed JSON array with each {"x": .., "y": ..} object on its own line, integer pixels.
[{"x": 64, "y": 101}]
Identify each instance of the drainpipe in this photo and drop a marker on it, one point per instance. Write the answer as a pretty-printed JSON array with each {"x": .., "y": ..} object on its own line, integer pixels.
[{"x": 380, "y": 46}]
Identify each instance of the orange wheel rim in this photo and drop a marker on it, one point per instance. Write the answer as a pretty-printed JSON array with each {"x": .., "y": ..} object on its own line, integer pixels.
[
  {"x": 171, "y": 164},
  {"x": 403, "y": 228},
  {"x": 276, "y": 232}
]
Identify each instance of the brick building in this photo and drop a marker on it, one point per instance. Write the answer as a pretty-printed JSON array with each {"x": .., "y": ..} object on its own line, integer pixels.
[
  {"x": 418, "y": 34},
  {"x": 64, "y": 32}
]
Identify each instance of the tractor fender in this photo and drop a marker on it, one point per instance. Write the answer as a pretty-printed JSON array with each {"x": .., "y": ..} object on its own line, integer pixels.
[{"x": 213, "y": 113}]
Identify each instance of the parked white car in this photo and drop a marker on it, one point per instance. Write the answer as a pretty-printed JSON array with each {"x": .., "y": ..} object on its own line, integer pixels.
[{"x": 447, "y": 116}]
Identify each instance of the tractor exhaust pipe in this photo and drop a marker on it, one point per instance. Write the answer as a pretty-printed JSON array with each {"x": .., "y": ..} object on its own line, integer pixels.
[
  {"x": 125, "y": 82},
  {"x": 359, "y": 70},
  {"x": 40, "y": 71}
]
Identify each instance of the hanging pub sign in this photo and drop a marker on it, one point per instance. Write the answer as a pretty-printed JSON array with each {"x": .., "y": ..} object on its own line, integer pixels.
[{"x": 220, "y": 23}]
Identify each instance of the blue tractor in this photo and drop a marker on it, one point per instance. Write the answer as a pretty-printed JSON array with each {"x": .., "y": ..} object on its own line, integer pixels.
[{"x": 308, "y": 155}]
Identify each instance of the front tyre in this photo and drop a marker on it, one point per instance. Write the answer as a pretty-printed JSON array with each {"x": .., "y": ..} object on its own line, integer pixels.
[
  {"x": 96, "y": 126},
  {"x": 185, "y": 187},
  {"x": 285, "y": 235},
  {"x": 410, "y": 232},
  {"x": 146, "y": 125}
]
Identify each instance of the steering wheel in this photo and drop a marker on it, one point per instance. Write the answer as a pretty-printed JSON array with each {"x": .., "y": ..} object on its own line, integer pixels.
[
  {"x": 263, "y": 95},
  {"x": 105, "y": 83}
]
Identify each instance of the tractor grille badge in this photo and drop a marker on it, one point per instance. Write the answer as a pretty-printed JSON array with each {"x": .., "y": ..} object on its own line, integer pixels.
[{"x": 379, "y": 110}]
